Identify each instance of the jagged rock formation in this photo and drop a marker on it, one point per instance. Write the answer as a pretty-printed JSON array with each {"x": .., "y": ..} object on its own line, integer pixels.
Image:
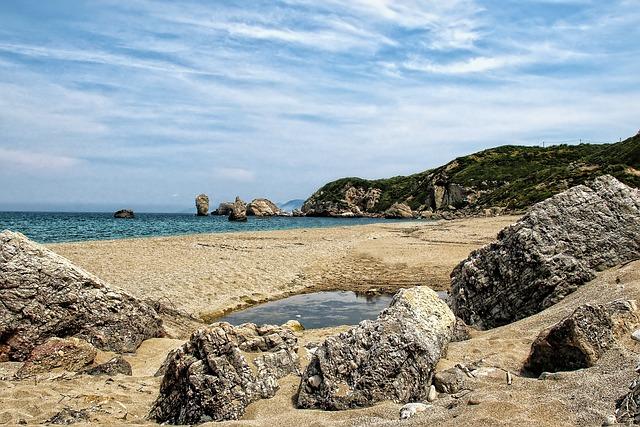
[
  {"x": 399, "y": 211},
  {"x": 224, "y": 208},
  {"x": 202, "y": 205},
  {"x": 263, "y": 207},
  {"x": 556, "y": 247},
  {"x": 124, "y": 213},
  {"x": 581, "y": 338},
  {"x": 628, "y": 405},
  {"x": 239, "y": 211},
  {"x": 510, "y": 177},
  {"x": 70, "y": 354},
  {"x": 44, "y": 295},
  {"x": 390, "y": 358},
  {"x": 222, "y": 369}
]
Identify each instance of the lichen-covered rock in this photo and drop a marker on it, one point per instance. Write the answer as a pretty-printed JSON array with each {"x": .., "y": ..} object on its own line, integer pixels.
[
  {"x": 263, "y": 207},
  {"x": 581, "y": 338},
  {"x": 44, "y": 295},
  {"x": 221, "y": 370},
  {"x": 202, "y": 205},
  {"x": 116, "y": 365},
  {"x": 390, "y": 358},
  {"x": 548, "y": 254},
  {"x": 399, "y": 211},
  {"x": 124, "y": 213},
  {"x": 238, "y": 211},
  {"x": 70, "y": 354}
]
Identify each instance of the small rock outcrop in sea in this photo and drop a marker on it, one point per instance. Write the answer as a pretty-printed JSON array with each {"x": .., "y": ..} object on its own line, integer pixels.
[
  {"x": 550, "y": 252},
  {"x": 390, "y": 358},
  {"x": 202, "y": 205},
  {"x": 239, "y": 211},
  {"x": 221, "y": 370},
  {"x": 70, "y": 354},
  {"x": 263, "y": 207},
  {"x": 224, "y": 208},
  {"x": 399, "y": 211},
  {"x": 581, "y": 338},
  {"x": 124, "y": 213},
  {"x": 44, "y": 295}
]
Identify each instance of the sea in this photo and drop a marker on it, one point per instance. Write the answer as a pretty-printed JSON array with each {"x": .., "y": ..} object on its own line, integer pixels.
[{"x": 53, "y": 227}]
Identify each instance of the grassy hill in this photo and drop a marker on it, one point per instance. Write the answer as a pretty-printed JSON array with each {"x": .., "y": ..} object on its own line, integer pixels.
[{"x": 513, "y": 177}]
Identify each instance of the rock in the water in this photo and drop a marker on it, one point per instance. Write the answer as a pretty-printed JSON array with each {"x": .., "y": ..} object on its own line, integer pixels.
[
  {"x": 580, "y": 339},
  {"x": 202, "y": 205},
  {"x": 628, "y": 405},
  {"x": 263, "y": 207},
  {"x": 124, "y": 213},
  {"x": 546, "y": 255},
  {"x": 224, "y": 208},
  {"x": 70, "y": 354},
  {"x": 399, "y": 211},
  {"x": 239, "y": 211},
  {"x": 117, "y": 365},
  {"x": 221, "y": 370},
  {"x": 390, "y": 358},
  {"x": 44, "y": 295}
]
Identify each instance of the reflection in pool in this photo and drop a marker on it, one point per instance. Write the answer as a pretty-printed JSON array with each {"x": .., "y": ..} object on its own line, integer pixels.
[{"x": 315, "y": 310}]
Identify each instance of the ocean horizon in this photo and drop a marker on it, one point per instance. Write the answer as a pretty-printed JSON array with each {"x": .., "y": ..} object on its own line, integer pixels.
[{"x": 59, "y": 227}]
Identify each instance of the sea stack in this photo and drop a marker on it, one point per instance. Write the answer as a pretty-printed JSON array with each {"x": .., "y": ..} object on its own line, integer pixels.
[
  {"x": 124, "y": 213},
  {"x": 202, "y": 205},
  {"x": 238, "y": 211}
]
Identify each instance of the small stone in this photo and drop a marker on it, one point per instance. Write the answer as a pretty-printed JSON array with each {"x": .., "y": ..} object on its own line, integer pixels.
[
  {"x": 473, "y": 400},
  {"x": 314, "y": 381},
  {"x": 294, "y": 325},
  {"x": 610, "y": 420},
  {"x": 636, "y": 335},
  {"x": 410, "y": 409},
  {"x": 433, "y": 394}
]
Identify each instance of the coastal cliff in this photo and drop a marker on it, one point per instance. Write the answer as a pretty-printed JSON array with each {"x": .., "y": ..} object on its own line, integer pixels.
[{"x": 504, "y": 178}]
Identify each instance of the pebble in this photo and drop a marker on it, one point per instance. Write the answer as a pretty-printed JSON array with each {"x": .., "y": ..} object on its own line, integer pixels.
[
  {"x": 473, "y": 401},
  {"x": 410, "y": 409},
  {"x": 433, "y": 394},
  {"x": 314, "y": 381},
  {"x": 636, "y": 335},
  {"x": 610, "y": 420}
]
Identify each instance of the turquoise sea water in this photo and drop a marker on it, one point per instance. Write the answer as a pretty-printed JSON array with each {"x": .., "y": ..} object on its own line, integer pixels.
[{"x": 50, "y": 227}]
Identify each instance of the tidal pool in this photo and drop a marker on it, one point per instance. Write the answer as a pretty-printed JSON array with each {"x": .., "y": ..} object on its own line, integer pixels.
[{"x": 315, "y": 310}]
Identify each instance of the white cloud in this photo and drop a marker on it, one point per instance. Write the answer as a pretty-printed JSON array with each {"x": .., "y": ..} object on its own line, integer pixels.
[{"x": 28, "y": 161}]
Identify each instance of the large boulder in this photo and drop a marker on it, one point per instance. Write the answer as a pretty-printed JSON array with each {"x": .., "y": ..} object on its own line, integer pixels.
[
  {"x": 44, "y": 295},
  {"x": 238, "y": 211},
  {"x": 69, "y": 354},
  {"x": 124, "y": 213},
  {"x": 221, "y": 370},
  {"x": 580, "y": 339},
  {"x": 263, "y": 207},
  {"x": 550, "y": 252},
  {"x": 390, "y": 358},
  {"x": 399, "y": 211},
  {"x": 202, "y": 205}
]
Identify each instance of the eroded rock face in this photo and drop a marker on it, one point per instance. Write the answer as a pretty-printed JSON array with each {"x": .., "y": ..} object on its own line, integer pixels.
[
  {"x": 224, "y": 208},
  {"x": 390, "y": 358},
  {"x": 222, "y": 369},
  {"x": 238, "y": 211},
  {"x": 44, "y": 295},
  {"x": 556, "y": 247},
  {"x": 263, "y": 207},
  {"x": 399, "y": 211},
  {"x": 580, "y": 339},
  {"x": 356, "y": 201},
  {"x": 70, "y": 354},
  {"x": 124, "y": 213},
  {"x": 202, "y": 205}
]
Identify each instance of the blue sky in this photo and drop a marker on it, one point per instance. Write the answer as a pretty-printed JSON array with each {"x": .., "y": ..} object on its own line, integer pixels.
[{"x": 147, "y": 103}]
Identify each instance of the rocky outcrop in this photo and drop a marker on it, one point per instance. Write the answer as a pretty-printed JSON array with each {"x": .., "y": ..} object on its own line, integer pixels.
[
  {"x": 263, "y": 207},
  {"x": 581, "y": 338},
  {"x": 355, "y": 201},
  {"x": 224, "y": 208},
  {"x": 399, "y": 211},
  {"x": 202, "y": 205},
  {"x": 390, "y": 358},
  {"x": 124, "y": 213},
  {"x": 70, "y": 354},
  {"x": 222, "y": 369},
  {"x": 548, "y": 254},
  {"x": 628, "y": 405},
  {"x": 239, "y": 211},
  {"x": 43, "y": 295},
  {"x": 115, "y": 366}
]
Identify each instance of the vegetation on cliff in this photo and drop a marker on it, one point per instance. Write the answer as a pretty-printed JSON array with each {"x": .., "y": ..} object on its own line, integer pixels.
[{"x": 513, "y": 177}]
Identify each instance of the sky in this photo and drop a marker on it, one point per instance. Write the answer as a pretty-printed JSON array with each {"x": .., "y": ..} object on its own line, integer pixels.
[{"x": 107, "y": 104}]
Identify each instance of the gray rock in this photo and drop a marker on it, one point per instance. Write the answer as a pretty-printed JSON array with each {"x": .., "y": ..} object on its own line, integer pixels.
[
  {"x": 390, "y": 358},
  {"x": 581, "y": 338},
  {"x": 117, "y": 365},
  {"x": 636, "y": 335},
  {"x": 44, "y": 295},
  {"x": 450, "y": 381},
  {"x": 202, "y": 205},
  {"x": 124, "y": 213},
  {"x": 68, "y": 416},
  {"x": 221, "y": 370},
  {"x": 628, "y": 405},
  {"x": 239, "y": 211},
  {"x": 555, "y": 248}
]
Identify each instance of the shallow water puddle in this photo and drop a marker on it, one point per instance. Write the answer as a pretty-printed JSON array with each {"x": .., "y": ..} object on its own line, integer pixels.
[{"x": 315, "y": 310}]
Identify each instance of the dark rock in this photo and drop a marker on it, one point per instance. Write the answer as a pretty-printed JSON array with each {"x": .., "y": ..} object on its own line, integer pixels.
[
  {"x": 221, "y": 370},
  {"x": 115, "y": 366},
  {"x": 224, "y": 208},
  {"x": 628, "y": 405},
  {"x": 555, "y": 248},
  {"x": 460, "y": 331},
  {"x": 69, "y": 416},
  {"x": 580, "y": 339},
  {"x": 297, "y": 213},
  {"x": 70, "y": 354},
  {"x": 124, "y": 213},
  {"x": 390, "y": 358},
  {"x": 202, "y": 205},
  {"x": 239, "y": 211},
  {"x": 44, "y": 295}
]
